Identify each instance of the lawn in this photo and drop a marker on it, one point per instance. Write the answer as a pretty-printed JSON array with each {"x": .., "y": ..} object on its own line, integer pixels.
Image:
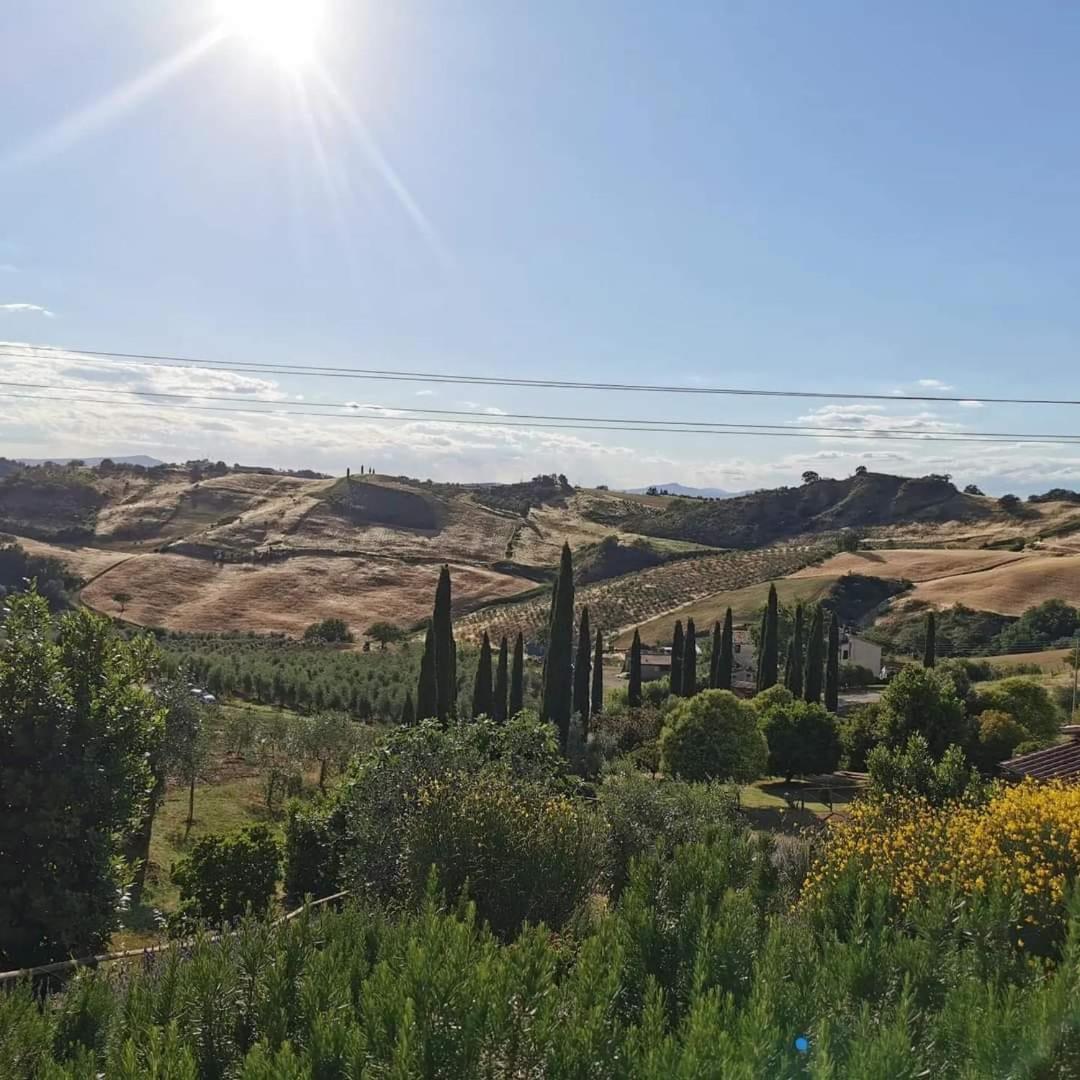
[{"x": 775, "y": 805}]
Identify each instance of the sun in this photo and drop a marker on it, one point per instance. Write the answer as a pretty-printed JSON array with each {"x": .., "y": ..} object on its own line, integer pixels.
[{"x": 287, "y": 31}]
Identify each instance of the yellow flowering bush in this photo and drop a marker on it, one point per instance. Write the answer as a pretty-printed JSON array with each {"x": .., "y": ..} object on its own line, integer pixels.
[
  {"x": 527, "y": 854},
  {"x": 1025, "y": 840}
]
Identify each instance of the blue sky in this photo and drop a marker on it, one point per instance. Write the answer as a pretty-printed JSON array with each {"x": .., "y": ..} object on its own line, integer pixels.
[{"x": 838, "y": 196}]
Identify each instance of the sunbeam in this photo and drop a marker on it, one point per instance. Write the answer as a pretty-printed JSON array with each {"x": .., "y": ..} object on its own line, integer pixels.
[
  {"x": 385, "y": 169},
  {"x": 113, "y": 105}
]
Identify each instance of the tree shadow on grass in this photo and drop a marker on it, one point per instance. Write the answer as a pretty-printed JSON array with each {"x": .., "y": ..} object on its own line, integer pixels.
[{"x": 779, "y": 819}]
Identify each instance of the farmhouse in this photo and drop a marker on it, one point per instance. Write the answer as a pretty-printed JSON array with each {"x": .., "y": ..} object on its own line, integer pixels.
[
  {"x": 857, "y": 650},
  {"x": 655, "y": 665}
]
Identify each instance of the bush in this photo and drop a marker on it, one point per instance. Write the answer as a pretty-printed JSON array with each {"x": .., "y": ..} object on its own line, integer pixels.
[
  {"x": 999, "y": 736},
  {"x": 856, "y": 677},
  {"x": 1027, "y": 702},
  {"x": 801, "y": 736},
  {"x": 918, "y": 702},
  {"x": 522, "y": 853},
  {"x": 329, "y": 630},
  {"x": 859, "y": 733},
  {"x": 912, "y": 771},
  {"x": 224, "y": 875},
  {"x": 644, "y": 814},
  {"x": 713, "y": 736}
]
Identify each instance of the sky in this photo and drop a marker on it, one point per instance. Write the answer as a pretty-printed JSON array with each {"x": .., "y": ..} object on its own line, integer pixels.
[{"x": 840, "y": 196}]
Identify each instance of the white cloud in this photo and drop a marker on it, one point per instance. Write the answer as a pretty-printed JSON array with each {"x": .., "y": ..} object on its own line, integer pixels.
[
  {"x": 876, "y": 421},
  {"x": 469, "y": 404},
  {"x": 971, "y": 404},
  {"x": 36, "y": 308},
  {"x": 494, "y": 410},
  {"x": 425, "y": 393},
  {"x": 934, "y": 384}
]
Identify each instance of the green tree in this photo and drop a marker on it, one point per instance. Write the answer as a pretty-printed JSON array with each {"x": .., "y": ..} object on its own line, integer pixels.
[
  {"x": 122, "y": 599},
  {"x": 713, "y": 736},
  {"x": 802, "y": 737},
  {"x": 677, "y": 659},
  {"x": 913, "y": 769},
  {"x": 556, "y": 701},
  {"x": 633, "y": 688},
  {"x": 517, "y": 679},
  {"x": 598, "y": 676},
  {"x": 999, "y": 735},
  {"x": 1028, "y": 702},
  {"x": 329, "y": 739},
  {"x": 832, "y": 667},
  {"x": 726, "y": 663},
  {"x": 794, "y": 679},
  {"x": 483, "y": 700},
  {"x": 930, "y": 641},
  {"x": 427, "y": 688},
  {"x": 582, "y": 700},
  {"x": 79, "y": 723},
  {"x": 688, "y": 682},
  {"x": 224, "y": 875},
  {"x": 445, "y": 649},
  {"x": 329, "y": 630},
  {"x": 498, "y": 711},
  {"x": 916, "y": 702},
  {"x": 770, "y": 643},
  {"x": 386, "y": 633},
  {"x": 815, "y": 656},
  {"x": 408, "y": 710},
  {"x": 190, "y": 737}
]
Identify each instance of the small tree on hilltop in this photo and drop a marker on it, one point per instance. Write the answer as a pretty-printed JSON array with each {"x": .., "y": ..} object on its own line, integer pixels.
[
  {"x": 713, "y": 736},
  {"x": 386, "y": 633},
  {"x": 122, "y": 599}
]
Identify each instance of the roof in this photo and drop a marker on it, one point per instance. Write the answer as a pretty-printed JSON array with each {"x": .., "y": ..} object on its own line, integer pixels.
[
  {"x": 656, "y": 659},
  {"x": 1055, "y": 762}
]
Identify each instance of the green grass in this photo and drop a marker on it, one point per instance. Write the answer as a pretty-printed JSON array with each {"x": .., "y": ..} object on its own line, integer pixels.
[{"x": 773, "y": 805}]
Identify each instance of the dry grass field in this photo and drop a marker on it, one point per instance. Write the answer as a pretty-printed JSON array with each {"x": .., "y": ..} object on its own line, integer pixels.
[
  {"x": 919, "y": 564},
  {"x": 1008, "y": 589},
  {"x": 184, "y": 593},
  {"x": 85, "y": 562}
]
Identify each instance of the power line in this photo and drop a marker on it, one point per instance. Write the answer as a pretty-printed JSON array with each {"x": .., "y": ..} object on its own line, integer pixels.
[
  {"x": 810, "y": 430},
  {"x": 501, "y": 422},
  {"x": 384, "y": 374}
]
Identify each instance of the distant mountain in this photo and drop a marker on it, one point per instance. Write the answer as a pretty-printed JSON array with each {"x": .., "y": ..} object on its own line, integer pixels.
[
  {"x": 682, "y": 489},
  {"x": 132, "y": 459}
]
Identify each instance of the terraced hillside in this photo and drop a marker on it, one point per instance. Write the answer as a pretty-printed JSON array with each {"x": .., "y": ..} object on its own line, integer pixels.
[{"x": 635, "y": 598}]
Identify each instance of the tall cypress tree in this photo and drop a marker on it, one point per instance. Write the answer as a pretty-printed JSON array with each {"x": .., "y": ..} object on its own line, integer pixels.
[
  {"x": 726, "y": 664},
  {"x": 788, "y": 653},
  {"x": 714, "y": 654},
  {"x": 408, "y": 713},
  {"x": 815, "y": 656},
  {"x": 445, "y": 650},
  {"x": 793, "y": 678},
  {"x": 482, "y": 699},
  {"x": 582, "y": 700},
  {"x": 427, "y": 691},
  {"x": 930, "y": 646},
  {"x": 633, "y": 689},
  {"x": 675, "y": 678},
  {"x": 832, "y": 666},
  {"x": 517, "y": 678},
  {"x": 770, "y": 643},
  {"x": 688, "y": 681},
  {"x": 598, "y": 676},
  {"x": 498, "y": 708},
  {"x": 559, "y": 660}
]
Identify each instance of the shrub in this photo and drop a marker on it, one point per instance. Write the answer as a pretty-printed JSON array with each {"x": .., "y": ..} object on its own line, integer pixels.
[
  {"x": 912, "y": 770},
  {"x": 919, "y": 702},
  {"x": 859, "y": 733},
  {"x": 713, "y": 736},
  {"x": 856, "y": 677},
  {"x": 802, "y": 738},
  {"x": 224, "y": 875},
  {"x": 644, "y": 814},
  {"x": 1027, "y": 702},
  {"x": 522, "y": 853},
  {"x": 329, "y": 630},
  {"x": 999, "y": 736}
]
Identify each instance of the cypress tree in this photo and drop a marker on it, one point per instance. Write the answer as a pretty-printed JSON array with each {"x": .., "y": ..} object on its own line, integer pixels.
[
  {"x": 832, "y": 667},
  {"x": 427, "y": 693},
  {"x": 770, "y": 643},
  {"x": 482, "y": 698},
  {"x": 498, "y": 709},
  {"x": 445, "y": 650},
  {"x": 788, "y": 653},
  {"x": 582, "y": 665},
  {"x": 675, "y": 678},
  {"x": 598, "y": 676},
  {"x": 688, "y": 681},
  {"x": 726, "y": 664},
  {"x": 930, "y": 648},
  {"x": 815, "y": 656},
  {"x": 714, "y": 654},
  {"x": 633, "y": 691},
  {"x": 408, "y": 713},
  {"x": 793, "y": 678},
  {"x": 558, "y": 661},
  {"x": 517, "y": 679}
]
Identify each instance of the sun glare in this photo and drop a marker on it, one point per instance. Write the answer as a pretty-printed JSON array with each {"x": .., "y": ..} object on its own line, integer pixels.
[{"x": 285, "y": 30}]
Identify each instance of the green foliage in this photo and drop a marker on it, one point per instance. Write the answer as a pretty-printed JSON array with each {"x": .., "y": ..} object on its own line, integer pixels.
[
  {"x": 832, "y": 667},
  {"x": 814, "y": 670},
  {"x": 802, "y": 736},
  {"x": 517, "y": 678},
  {"x": 688, "y": 679},
  {"x": 713, "y": 736},
  {"x": 386, "y": 633},
  {"x": 18, "y": 569},
  {"x": 329, "y": 630},
  {"x": 582, "y": 705},
  {"x": 634, "y": 681},
  {"x": 913, "y": 770},
  {"x": 597, "y": 700},
  {"x": 644, "y": 815},
  {"x": 445, "y": 649},
  {"x": 930, "y": 640},
  {"x": 483, "y": 699},
  {"x": 793, "y": 676},
  {"x": 1028, "y": 702},
  {"x": 769, "y": 651},
  {"x": 724, "y": 664},
  {"x": 999, "y": 735},
  {"x": 1043, "y": 625},
  {"x": 675, "y": 678},
  {"x": 855, "y": 676},
  {"x": 917, "y": 701},
  {"x": 860, "y": 732},
  {"x": 78, "y": 725},
  {"x": 556, "y": 701},
  {"x": 225, "y": 875},
  {"x": 502, "y": 684}
]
